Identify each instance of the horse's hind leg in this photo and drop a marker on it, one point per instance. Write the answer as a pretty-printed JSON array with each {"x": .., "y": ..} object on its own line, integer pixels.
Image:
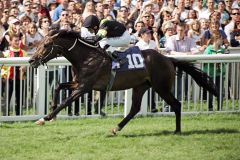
[
  {"x": 135, "y": 108},
  {"x": 175, "y": 104}
]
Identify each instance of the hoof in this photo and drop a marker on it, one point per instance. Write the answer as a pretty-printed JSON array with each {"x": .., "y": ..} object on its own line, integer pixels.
[
  {"x": 52, "y": 120},
  {"x": 114, "y": 131},
  {"x": 40, "y": 122},
  {"x": 177, "y": 132}
]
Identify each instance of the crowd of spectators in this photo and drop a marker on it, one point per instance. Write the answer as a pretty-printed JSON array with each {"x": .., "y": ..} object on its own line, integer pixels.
[
  {"x": 32, "y": 19},
  {"x": 151, "y": 23}
]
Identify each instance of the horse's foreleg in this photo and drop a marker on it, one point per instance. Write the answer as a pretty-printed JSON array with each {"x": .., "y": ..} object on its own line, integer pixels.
[
  {"x": 135, "y": 108},
  {"x": 74, "y": 96},
  {"x": 60, "y": 86}
]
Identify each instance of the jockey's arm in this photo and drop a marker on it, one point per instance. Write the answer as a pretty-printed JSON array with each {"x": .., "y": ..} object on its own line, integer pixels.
[{"x": 100, "y": 35}]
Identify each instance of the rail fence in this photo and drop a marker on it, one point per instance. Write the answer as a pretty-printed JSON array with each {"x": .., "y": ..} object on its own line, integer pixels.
[{"x": 37, "y": 86}]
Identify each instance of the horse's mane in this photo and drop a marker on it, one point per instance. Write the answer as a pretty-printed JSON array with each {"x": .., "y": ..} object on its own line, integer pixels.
[
  {"x": 69, "y": 34},
  {"x": 65, "y": 33}
]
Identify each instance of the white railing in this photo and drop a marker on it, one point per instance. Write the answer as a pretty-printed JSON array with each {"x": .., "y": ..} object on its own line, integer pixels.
[{"x": 41, "y": 93}]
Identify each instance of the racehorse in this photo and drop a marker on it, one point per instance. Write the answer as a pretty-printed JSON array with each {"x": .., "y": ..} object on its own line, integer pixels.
[{"x": 92, "y": 71}]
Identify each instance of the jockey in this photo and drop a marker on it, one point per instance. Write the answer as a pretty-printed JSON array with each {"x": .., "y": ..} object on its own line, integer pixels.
[
  {"x": 90, "y": 27},
  {"x": 112, "y": 34}
]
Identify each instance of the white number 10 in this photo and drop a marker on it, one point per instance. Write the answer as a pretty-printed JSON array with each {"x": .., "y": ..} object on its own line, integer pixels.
[{"x": 135, "y": 61}]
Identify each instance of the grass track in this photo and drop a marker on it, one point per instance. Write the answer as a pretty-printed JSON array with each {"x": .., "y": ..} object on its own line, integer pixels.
[{"x": 204, "y": 137}]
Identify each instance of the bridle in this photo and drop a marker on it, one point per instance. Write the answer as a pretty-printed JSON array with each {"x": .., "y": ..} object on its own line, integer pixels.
[{"x": 44, "y": 59}]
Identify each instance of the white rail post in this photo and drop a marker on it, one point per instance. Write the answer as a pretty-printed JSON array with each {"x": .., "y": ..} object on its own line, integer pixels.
[
  {"x": 40, "y": 90},
  {"x": 128, "y": 103}
]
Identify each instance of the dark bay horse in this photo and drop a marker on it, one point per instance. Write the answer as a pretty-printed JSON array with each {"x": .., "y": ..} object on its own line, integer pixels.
[{"x": 92, "y": 70}]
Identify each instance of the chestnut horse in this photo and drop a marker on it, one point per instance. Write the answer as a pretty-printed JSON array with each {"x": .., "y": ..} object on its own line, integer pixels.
[{"x": 92, "y": 71}]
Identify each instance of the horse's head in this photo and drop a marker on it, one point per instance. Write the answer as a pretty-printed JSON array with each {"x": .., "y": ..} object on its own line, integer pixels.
[{"x": 47, "y": 50}]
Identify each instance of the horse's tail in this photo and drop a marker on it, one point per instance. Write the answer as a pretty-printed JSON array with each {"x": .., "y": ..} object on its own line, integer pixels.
[{"x": 200, "y": 77}]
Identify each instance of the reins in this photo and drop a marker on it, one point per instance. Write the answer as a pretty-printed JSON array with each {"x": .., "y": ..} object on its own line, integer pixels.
[{"x": 85, "y": 43}]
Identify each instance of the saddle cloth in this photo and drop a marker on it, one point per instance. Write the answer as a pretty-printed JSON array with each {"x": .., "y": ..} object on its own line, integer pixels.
[{"x": 134, "y": 58}]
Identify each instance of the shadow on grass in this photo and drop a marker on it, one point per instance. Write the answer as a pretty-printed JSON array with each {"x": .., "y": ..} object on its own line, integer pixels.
[{"x": 187, "y": 133}]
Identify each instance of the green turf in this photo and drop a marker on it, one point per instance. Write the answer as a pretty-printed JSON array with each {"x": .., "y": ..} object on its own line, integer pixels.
[{"x": 204, "y": 137}]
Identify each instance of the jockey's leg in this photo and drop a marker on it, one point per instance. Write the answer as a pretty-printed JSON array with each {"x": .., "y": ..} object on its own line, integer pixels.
[{"x": 111, "y": 44}]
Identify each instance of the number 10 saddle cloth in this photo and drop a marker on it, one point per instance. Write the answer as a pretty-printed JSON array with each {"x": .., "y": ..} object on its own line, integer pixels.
[{"x": 134, "y": 60}]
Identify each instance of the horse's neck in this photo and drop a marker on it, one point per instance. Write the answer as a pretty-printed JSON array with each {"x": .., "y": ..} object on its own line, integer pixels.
[{"x": 82, "y": 54}]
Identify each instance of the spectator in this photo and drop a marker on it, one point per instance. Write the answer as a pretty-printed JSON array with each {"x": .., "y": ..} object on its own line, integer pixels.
[
  {"x": 225, "y": 15},
  {"x": 136, "y": 11},
  {"x": 71, "y": 6},
  {"x": 169, "y": 7},
  {"x": 235, "y": 16},
  {"x": 14, "y": 73},
  {"x": 14, "y": 11},
  {"x": 33, "y": 38},
  {"x": 4, "y": 19},
  {"x": 14, "y": 3},
  {"x": 148, "y": 7},
  {"x": 192, "y": 15},
  {"x": 236, "y": 4},
  {"x": 214, "y": 30},
  {"x": 145, "y": 18},
  {"x": 168, "y": 30},
  {"x": 28, "y": 9},
  {"x": 2, "y": 29},
  {"x": 110, "y": 4},
  {"x": 107, "y": 11},
  {"x": 43, "y": 11},
  {"x": 180, "y": 12},
  {"x": 210, "y": 9},
  {"x": 195, "y": 32},
  {"x": 122, "y": 15},
  {"x": 14, "y": 28},
  {"x": 135, "y": 37},
  {"x": 99, "y": 10},
  {"x": 235, "y": 35},
  {"x": 63, "y": 21},
  {"x": 52, "y": 5},
  {"x": 44, "y": 24},
  {"x": 228, "y": 5},
  {"x": 127, "y": 3},
  {"x": 35, "y": 11},
  {"x": 215, "y": 16},
  {"x": 145, "y": 42},
  {"x": 204, "y": 24},
  {"x": 79, "y": 7},
  {"x": 180, "y": 44},
  {"x": 199, "y": 7},
  {"x": 6, "y": 4},
  {"x": 188, "y": 4},
  {"x": 24, "y": 22},
  {"x": 88, "y": 10},
  {"x": 215, "y": 47},
  {"x": 57, "y": 12}
]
